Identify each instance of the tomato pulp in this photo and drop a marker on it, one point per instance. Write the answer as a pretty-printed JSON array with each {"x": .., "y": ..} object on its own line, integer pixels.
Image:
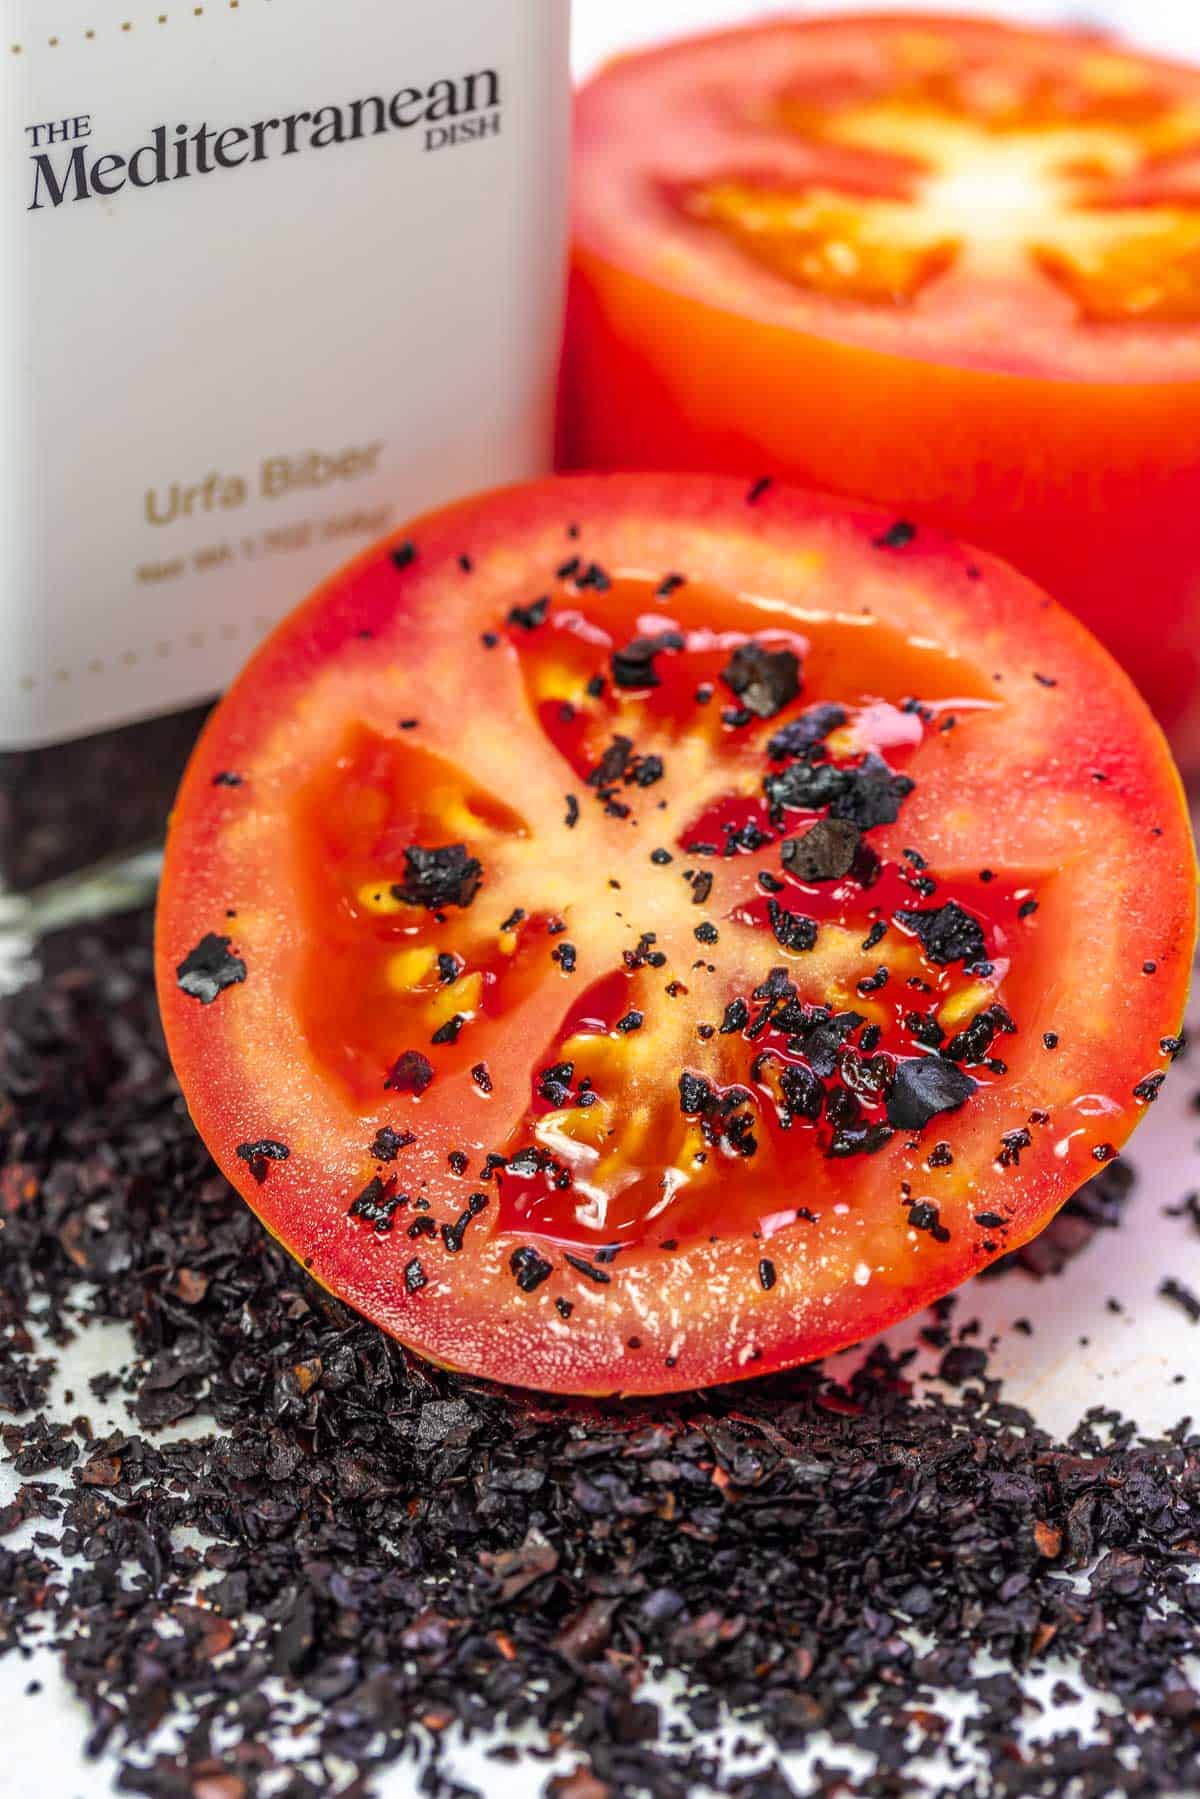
[
  {"x": 944, "y": 264},
  {"x": 629, "y": 932}
]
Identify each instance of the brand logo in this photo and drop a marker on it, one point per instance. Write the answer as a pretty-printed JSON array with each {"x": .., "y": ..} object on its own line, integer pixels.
[{"x": 66, "y": 165}]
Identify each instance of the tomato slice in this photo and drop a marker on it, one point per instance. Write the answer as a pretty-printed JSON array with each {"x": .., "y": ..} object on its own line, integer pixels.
[
  {"x": 630, "y": 932},
  {"x": 939, "y": 263}
]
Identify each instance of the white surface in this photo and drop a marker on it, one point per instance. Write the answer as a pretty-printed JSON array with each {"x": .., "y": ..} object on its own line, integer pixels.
[
  {"x": 1081, "y": 1354},
  {"x": 1129, "y": 1360}
]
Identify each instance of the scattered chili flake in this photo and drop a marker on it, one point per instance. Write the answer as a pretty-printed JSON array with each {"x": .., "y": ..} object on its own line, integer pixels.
[
  {"x": 946, "y": 933},
  {"x": 261, "y": 1153},
  {"x": 922, "y": 1087},
  {"x": 826, "y": 852},
  {"x": 446, "y": 876},
  {"x": 765, "y": 681},
  {"x": 209, "y": 968},
  {"x": 1181, "y": 1296},
  {"x": 410, "y": 1073},
  {"x": 529, "y": 1268},
  {"x": 599, "y": 1275},
  {"x": 528, "y": 618}
]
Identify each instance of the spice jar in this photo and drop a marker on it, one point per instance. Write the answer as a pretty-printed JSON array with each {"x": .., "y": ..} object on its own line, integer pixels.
[{"x": 276, "y": 275}]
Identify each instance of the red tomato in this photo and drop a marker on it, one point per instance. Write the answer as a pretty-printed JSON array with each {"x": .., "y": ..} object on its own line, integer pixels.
[
  {"x": 943, "y": 264},
  {"x": 632, "y": 931}
]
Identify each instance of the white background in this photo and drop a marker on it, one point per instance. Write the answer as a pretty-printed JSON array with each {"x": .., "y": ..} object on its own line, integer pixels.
[{"x": 1081, "y": 1354}]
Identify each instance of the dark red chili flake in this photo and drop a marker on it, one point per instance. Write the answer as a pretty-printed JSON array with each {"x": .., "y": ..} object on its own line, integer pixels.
[
  {"x": 1147, "y": 1089},
  {"x": 946, "y": 933},
  {"x": 632, "y": 1021},
  {"x": 737, "y": 1016},
  {"x": 599, "y": 1275},
  {"x": 404, "y": 554},
  {"x": 434, "y": 878},
  {"x": 453, "y": 1234},
  {"x": 1011, "y": 1145},
  {"x": 766, "y": 1274},
  {"x": 410, "y": 1073},
  {"x": 924, "y": 1216},
  {"x": 1181, "y": 1296},
  {"x": 695, "y": 1094},
  {"x": 529, "y": 1268},
  {"x": 449, "y": 1032},
  {"x": 595, "y": 577},
  {"x": 826, "y": 852},
  {"x": 528, "y": 618},
  {"x": 1050, "y": 1039},
  {"x": 261, "y": 1153},
  {"x": 897, "y": 536},
  {"x": 973, "y": 1042},
  {"x": 377, "y": 1204},
  {"x": 481, "y": 1077},
  {"x": 669, "y": 585},
  {"x": 227, "y": 778},
  {"x": 792, "y": 930},
  {"x": 800, "y": 735},
  {"x": 660, "y": 857},
  {"x": 564, "y": 954},
  {"x": 388, "y": 1143},
  {"x": 415, "y": 1276},
  {"x": 922, "y": 1087},
  {"x": 756, "y": 492},
  {"x": 765, "y": 681},
  {"x": 209, "y": 968},
  {"x": 702, "y": 886},
  {"x": 634, "y": 665},
  {"x": 706, "y": 932},
  {"x": 868, "y": 794}
]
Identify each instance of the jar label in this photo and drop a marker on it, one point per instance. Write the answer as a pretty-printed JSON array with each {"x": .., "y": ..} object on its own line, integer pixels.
[{"x": 275, "y": 276}]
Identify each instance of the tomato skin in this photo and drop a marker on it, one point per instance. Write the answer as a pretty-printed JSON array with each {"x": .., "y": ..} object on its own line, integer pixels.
[
  {"x": 376, "y": 643},
  {"x": 1087, "y": 485}
]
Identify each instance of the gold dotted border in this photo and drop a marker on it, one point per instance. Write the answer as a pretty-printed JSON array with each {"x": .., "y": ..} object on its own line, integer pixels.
[
  {"x": 191, "y": 640},
  {"x": 127, "y": 25}
]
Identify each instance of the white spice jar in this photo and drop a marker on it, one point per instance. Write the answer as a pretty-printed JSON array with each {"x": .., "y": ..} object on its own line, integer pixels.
[{"x": 276, "y": 274}]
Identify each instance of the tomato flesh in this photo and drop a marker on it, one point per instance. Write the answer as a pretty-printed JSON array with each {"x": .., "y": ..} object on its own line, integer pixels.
[{"x": 633, "y": 904}]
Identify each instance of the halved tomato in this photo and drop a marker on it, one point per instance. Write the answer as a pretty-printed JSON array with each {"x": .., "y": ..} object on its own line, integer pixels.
[
  {"x": 942, "y": 264},
  {"x": 631, "y": 932}
]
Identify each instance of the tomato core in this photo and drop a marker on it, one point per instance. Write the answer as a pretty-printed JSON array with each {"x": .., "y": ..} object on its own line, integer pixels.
[{"x": 963, "y": 167}]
